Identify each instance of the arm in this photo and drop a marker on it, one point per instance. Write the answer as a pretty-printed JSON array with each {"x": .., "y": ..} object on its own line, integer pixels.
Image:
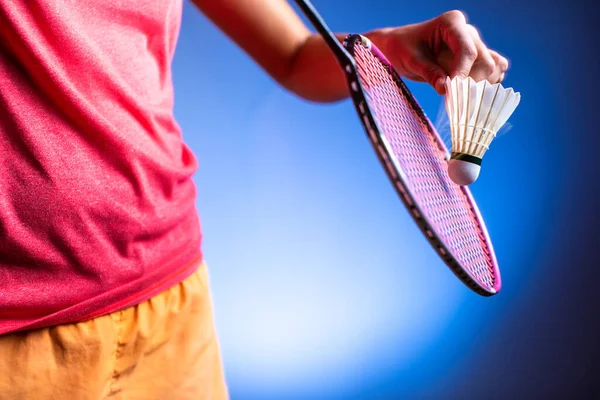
[{"x": 272, "y": 34}]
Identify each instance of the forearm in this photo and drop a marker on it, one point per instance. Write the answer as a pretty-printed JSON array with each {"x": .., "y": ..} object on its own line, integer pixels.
[{"x": 315, "y": 74}]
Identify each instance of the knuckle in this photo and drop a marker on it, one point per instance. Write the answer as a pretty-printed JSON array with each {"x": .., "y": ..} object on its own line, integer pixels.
[
  {"x": 474, "y": 31},
  {"x": 454, "y": 17},
  {"x": 469, "y": 52}
]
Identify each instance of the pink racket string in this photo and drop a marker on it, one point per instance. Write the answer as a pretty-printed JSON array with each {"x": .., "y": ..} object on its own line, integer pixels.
[{"x": 422, "y": 160}]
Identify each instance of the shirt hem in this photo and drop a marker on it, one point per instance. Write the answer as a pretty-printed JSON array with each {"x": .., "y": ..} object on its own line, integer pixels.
[{"x": 81, "y": 312}]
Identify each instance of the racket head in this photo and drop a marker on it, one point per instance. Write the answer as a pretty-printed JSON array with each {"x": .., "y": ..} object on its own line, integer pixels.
[{"x": 415, "y": 159}]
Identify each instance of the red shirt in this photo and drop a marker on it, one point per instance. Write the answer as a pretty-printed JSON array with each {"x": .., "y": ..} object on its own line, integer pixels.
[{"x": 97, "y": 201}]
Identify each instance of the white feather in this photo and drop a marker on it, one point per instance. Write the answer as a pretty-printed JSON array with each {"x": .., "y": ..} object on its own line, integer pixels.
[{"x": 476, "y": 112}]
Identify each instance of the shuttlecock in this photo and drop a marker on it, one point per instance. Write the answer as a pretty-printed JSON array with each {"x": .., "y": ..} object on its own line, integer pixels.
[{"x": 476, "y": 110}]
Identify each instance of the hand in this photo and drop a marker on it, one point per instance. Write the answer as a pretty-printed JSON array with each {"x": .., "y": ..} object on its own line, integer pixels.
[{"x": 444, "y": 46}]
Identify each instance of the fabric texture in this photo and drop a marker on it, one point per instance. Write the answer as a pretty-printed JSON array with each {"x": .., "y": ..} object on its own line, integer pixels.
[
  {"x": 163, "y": 348},
  {"x": 97, "y": 201}
]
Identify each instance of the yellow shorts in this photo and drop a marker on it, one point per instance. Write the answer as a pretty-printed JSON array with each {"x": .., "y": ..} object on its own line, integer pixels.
[{"x": 164, "y": 348}]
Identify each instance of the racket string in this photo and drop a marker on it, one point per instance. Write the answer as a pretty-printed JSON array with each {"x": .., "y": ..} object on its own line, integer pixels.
[{"x": 442, "y": 202}]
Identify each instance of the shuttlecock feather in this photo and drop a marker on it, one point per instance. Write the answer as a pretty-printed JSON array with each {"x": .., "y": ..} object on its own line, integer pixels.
[{"x": 476, "y": 111}]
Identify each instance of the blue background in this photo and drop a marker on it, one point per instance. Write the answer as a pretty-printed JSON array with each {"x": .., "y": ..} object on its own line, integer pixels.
[{"x": 323, "y": 286}]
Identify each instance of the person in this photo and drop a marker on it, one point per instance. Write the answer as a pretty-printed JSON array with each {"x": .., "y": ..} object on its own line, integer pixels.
[{"x": 104, "y": 292}]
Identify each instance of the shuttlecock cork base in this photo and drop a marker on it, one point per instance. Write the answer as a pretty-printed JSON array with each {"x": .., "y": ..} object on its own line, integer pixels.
[
  {"x": 476, "y": 110},
  {"x": 463, "y": 168}
]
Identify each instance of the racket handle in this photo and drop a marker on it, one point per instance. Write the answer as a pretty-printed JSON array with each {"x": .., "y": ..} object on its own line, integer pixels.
[{"x": 334, "y": 44}]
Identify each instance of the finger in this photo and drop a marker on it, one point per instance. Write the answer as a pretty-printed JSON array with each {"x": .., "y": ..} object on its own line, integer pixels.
[
  {"x": 502, "y": 64},
  {"x": 501, "y": 61},
  {"x": 430, "y": 72},
  {"x": 500, "y": 67},
  {"x": 457, "y": 36},
  {"x": 498, "y": 71},
  {"x": 484, "y": 66}
]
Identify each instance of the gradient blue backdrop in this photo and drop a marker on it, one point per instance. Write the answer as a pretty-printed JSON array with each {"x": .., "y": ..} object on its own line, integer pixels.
[{"x": 323, "y": 286}]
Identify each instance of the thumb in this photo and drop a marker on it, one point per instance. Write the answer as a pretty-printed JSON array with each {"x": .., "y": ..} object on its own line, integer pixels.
[{"x": 431, "y": 73}]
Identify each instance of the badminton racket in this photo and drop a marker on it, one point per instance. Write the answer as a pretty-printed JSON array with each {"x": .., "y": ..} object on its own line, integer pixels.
[{"x": 415, "y": 159}]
